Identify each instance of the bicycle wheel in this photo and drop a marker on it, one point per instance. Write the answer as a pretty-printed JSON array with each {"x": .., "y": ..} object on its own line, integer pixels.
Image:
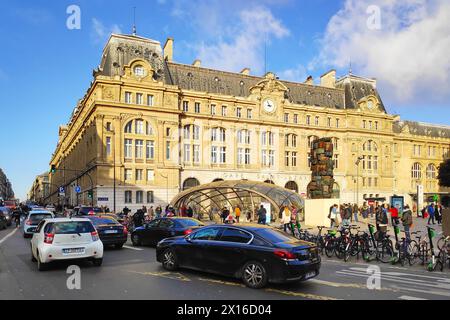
[
  {"x": 413, "y": 253},
  {"x": 441, "y": 243},
  {"x": 385, "y": 251},
  {"x": 329, "y": 248}
]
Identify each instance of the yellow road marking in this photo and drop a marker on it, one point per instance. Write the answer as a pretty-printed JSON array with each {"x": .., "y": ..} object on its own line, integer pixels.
[
  {"x": 222, "y": 282},
  {"x": 300, "y": 294},
  {"x": 168, "y": 275}
]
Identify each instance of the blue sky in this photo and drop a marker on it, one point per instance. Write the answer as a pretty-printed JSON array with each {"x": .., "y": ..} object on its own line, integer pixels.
[{"x": 45, "y": 67}]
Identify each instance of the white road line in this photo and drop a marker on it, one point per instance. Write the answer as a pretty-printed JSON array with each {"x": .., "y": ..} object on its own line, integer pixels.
[
  {"x": 408, "y": 281},
  {"x": 410, "y": 298},
  {"x": 9, "y": 235},
  {"x": 133, "y": 248}
]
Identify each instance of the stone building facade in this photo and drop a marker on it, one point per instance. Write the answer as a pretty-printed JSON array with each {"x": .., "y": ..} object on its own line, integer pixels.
[
  {"x": 6, "y": 191},
  {"x": 149, "y": 127}
]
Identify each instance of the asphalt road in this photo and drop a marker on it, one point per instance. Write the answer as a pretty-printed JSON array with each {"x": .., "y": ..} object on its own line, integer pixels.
[{"x": 133, "y": 273}]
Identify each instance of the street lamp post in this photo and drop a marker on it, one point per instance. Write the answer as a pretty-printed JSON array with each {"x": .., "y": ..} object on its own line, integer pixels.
[
  {"x": 357, "y": 178},
  {"x": 167, "y": 186}
]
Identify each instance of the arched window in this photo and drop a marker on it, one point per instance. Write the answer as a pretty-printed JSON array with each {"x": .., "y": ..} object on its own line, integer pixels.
[
  {"x": 218, "y": 134},
  {"x": 431, "y": 171},
  {"x": 292, "y": 185},
  {"x": 269, "y": 182},
  {"x": 370, "y": 146},
  {"x": 196, "y": 133},
  {"x": 416, "y": 171},
  {"x": 128, "y": 127},
  {"x": 190, "y": 183}
]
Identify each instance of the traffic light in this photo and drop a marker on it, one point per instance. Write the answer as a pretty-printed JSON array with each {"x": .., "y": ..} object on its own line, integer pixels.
[
  {"x": 90, "y": 194},
  {"x": 53, "y": 169}
]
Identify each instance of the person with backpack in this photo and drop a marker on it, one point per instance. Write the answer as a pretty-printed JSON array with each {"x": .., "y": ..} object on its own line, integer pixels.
[
  {"x": 407, "y": 221},
  {"x": 382, "y": 219}
]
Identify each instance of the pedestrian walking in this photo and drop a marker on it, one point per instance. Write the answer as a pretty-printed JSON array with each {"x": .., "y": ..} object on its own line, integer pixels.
[
  {"x": 333, "y": 216},
  {"x": 190, "y": 212},
  {"x": 262, "y": 212},
  {"x": 347, "y": 215},
  {"x": 237, "y": 213},
  {"x": 438, "y": 213},
  {"x": 407, "y": 222},
  {"x": 431, "y": 212},
  {"x": 286, "y": 218},
  {"x": 382, "y": 219},
  {"x": 394, "y": 216},
  {"x": 355, "y": 212}
]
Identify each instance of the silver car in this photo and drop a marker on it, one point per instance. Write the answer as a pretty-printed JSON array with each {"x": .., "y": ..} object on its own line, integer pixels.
[{"x": 32, "y": 221}]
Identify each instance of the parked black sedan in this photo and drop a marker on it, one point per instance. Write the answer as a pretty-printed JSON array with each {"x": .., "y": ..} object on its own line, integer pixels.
[
  {"x": 110, "y": 231},
  {"x": 256, "y": 254},
  {"x": 158, "y": 229}
]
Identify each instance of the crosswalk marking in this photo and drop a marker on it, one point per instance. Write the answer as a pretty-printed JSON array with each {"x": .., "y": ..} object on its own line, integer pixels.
[{"x": 410, "y": 298}]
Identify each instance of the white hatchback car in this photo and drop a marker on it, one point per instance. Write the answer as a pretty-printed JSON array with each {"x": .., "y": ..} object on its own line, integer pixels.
[{"x": 65, "y": 239}]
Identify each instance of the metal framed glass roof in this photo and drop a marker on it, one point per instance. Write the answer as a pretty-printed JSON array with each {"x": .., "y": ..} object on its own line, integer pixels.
[{"x": 245, "y": 193}]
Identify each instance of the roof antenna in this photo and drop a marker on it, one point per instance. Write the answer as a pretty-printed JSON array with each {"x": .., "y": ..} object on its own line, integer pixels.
[
  {"x": 350, "y": 68},
  {"x": 265, "y": 52},
  {"x": 134, "y": 24}
]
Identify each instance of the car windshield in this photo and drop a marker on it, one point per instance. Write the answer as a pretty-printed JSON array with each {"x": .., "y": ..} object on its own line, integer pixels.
[
  {"x": 36, "y": 218},
  {"x": 190, "y": 223},
  {"x": 273, "y": 236},
  {"x": 103, "y": 220},
  {"x": 72, "y": 227}
]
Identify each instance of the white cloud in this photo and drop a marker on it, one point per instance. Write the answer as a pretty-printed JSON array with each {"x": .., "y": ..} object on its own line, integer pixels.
[
  {"x": 243, "y": 43},
  {"x": 409, "y": 54},
  {"x": 100, "y": 32},
  {"x": 297, "y": 74},
  {"x": 229, "y": 35}
]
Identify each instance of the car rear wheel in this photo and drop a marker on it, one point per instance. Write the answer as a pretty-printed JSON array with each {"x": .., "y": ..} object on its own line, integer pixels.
[
  {"x": 33, "y": 259},
  {"x": 41, "y": 266},
  {"x": 254, "y": 275},
  {"x": 97, "y": 262},
  {"x": 169, "y": 260},
  {"x": 135, "y": 240}
]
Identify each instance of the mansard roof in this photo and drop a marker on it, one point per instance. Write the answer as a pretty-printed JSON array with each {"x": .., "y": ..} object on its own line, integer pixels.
[
  {"x": 121, "y": 50},
  {"x": 236, "y": 84},
  {"x": 422, "y": 129}
]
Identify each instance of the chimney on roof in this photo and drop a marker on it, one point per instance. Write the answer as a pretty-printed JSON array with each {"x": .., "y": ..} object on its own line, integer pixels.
[
  {"x": 309, "y": 80},
  {"x": 245, "y": 71},
  {"x": 328, "y": 79},
  {"x": 168, "y": 50},
  {"x": 197, "y": 63}
]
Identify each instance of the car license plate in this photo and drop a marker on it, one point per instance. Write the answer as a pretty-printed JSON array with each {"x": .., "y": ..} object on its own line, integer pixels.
[
  {"x": 310, "y": 275},
  {"x": 111, "y": 231},
  {"x": 73, "y": 251}
]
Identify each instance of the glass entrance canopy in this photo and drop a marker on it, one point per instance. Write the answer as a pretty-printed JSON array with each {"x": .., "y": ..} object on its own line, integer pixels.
[{"x": 246, "y": 194}]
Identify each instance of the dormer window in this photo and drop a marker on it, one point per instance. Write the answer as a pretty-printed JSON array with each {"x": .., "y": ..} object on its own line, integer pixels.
[{"x": 139, "y": 71}]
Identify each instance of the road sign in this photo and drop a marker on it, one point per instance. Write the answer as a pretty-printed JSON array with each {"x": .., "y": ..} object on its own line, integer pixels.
[
  {"x": 62, "y": 190},
  {"x": 78, "y": 189}
]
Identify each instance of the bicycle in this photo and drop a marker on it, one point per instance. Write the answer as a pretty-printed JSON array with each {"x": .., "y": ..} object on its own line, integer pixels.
[
  {"x": 405, "y": 249},
  {"x": 384, "y": 248},
  {"x": 443, "y": 256}
]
